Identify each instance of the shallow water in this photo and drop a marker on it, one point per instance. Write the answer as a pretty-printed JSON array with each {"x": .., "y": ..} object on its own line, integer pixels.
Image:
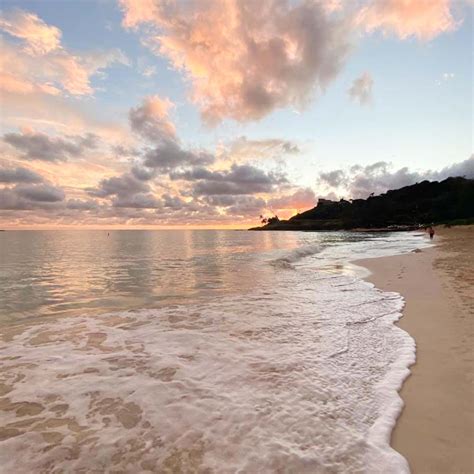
[{"x": 198, "y": 351}]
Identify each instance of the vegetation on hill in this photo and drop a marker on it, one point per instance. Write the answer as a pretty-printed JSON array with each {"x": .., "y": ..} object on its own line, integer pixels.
[{"x": 419, "y": 204}]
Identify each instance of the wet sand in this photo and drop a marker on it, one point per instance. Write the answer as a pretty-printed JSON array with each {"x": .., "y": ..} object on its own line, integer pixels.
[{"x": 435, "y": 430}]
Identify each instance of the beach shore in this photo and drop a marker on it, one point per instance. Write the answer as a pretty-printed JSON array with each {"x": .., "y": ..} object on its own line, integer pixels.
[{"x": 435, "y": 429}]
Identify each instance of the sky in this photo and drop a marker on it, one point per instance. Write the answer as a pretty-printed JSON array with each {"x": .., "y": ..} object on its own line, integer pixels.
[{"x": 211, "y": 113}]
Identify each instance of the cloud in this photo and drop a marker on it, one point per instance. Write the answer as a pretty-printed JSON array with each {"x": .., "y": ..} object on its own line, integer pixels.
[
  {"x": 378, "y": 178},
  {"x": 126, "y": 191},
  {"x": 168, "y": 160},
  {"x": 333, "y": 178},
  {"x": 237, "y": 205},
  {"x": 246, "y": 206},
  {"x": 240, "y": 179},
  {"x": 150, "y": 119},
  {"x": 464, "y": 168},
  {"x": 424, "y": 19},
  {"x": 361, "y": 89},
  {"x": 137, "y": 201},
  {"x": 244, "y": 149},
  {"x": 149, "y": 71},
  {"x": 123, "y": 150},
  {"x": 221, "y": 200},
  {"x": 43, "y": 65},
  {"x": 173, "y": 202},
  {"x": 361, "y": 181},
  {"x": 244, "y": 62},
  {"x": 30, "y": 196},
  {"x": 123, "y": 185},
  {"x": 142, "y": 172},
  {"x": 39, "y": 38},
  {"x": 82, "y": 205},
  {"x": 39, "y": 146},
  {"x": 61, "y": 115},
  {"x": 55, "y": 73},
  {"x": 19, "y": 175},
  {"x": 40, "y": 192},
  {"x": 169, "y": 155}
]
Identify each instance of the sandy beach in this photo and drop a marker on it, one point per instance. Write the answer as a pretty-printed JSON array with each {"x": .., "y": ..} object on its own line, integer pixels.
[{"x": 435, "y": 430}]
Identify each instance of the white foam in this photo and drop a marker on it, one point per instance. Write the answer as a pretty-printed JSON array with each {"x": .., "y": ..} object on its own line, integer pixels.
[
  {"x": 293, "y": 256},
  {"x": 298, "y": 376}
]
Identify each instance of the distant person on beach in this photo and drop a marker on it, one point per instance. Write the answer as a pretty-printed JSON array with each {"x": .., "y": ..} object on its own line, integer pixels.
[{"x": 431, "y": 232}]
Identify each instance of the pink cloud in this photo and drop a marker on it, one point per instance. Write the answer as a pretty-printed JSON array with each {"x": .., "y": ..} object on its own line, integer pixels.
[
  {"x": 150, "y": 119},
  {"x": 39, "y": 38},
  {"x": 52, "y": 73},
  {"x": 424, "y": 19},
  {"x": 138, "y": 12},
  {"x": 243, "y": 62},
  {"x": 42, "y": 65},
  {"x": 19, "y": 85}
]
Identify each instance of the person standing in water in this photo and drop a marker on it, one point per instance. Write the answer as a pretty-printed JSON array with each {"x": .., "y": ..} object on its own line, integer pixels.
[{"x": 431, "y": 232}]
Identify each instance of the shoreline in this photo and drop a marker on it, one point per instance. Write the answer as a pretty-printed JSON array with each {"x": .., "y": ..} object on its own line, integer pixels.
[{"x": 435, "y": 429}]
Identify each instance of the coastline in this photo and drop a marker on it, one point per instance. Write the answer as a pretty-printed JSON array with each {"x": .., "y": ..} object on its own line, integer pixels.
[{"x": 435, "y": 430}]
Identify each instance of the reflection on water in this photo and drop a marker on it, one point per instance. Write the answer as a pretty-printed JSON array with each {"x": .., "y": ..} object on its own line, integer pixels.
[
  {"x": 56, "y": 272},
  {"x": 46, "y": 273}
]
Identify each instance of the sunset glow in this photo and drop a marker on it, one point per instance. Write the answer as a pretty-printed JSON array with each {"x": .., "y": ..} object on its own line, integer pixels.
[{"x": 209, "y": 114}]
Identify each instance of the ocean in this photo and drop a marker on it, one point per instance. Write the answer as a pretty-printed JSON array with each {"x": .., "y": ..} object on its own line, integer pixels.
[{"x": 199, "y": 351}]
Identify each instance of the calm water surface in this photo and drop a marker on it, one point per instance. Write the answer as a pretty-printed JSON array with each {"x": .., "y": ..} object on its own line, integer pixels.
[
  {"x": 55, "y": 272},
  {"x": 68, "y": 272}
]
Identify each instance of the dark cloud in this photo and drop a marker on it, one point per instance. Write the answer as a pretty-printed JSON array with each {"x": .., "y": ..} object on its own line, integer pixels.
[
  {"x": 137, "y": 201},
  {"x": 221, "y": 200},
  {"x": 82, "y": 205},
  {"x": 237, "y": 205},
  {"x": 173, "y": 202},
  {"x": 246, "y": 206},
  {"x": 203, "y": 188},
  {"x": 333, "y": 178},
  {"x": 243, "y": 179},
  {"x": 126, "y": 191},
  {"x": 178, "y": 211},
  {"x": 150, "y": 119},
  {"x": 40, "y": 192},
  {"x": 124, "y": 185},
  {"x": 19, "y": 175},
  {"x": 31, "y": 196},
  {"x": 169, "y": 155},
  {"x": 142, "y": 172},
  {"x": 122, "y": 150},
  {"x": 39, "y": 146}
]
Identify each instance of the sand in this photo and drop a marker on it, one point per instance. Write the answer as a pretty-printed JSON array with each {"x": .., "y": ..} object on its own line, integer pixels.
[{"x": 435, "y": 430}]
